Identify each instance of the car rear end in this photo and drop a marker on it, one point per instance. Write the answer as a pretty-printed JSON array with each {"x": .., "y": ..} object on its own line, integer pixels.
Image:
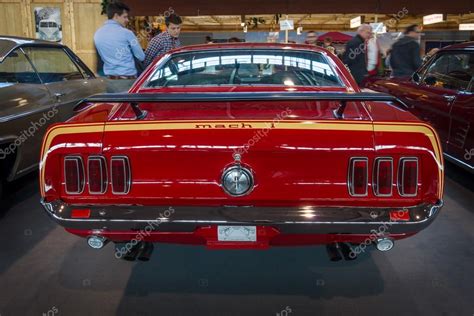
[
  {"x": 242, "y": 165},
  {"x": 288, "y": 178}
]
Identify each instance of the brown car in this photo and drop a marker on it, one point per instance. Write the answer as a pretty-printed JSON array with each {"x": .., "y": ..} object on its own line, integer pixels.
[{"x": 40, "y": 82}]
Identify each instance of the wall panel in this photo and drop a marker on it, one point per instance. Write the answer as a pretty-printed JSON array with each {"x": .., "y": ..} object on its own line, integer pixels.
[
  {"x": 9, "y": 25},
  {"x": 80, "y": 19}
]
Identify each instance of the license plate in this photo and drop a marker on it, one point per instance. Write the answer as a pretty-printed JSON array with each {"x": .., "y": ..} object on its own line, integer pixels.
[{"x": 237, "y": 233}]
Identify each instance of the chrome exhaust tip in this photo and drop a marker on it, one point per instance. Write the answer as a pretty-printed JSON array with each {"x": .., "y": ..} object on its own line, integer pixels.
[
  {"x": 346, "y": 251},
  {"x": 385, "y": 244},
  {"x": 97, "y": 242},
  {"x": 333, "y": 253},
  {"x": 146, "y": 251},
  {"x": 129, "y": 253}
]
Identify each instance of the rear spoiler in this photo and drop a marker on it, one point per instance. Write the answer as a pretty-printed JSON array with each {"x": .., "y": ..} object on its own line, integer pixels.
[{"x": 135, "y": 98}]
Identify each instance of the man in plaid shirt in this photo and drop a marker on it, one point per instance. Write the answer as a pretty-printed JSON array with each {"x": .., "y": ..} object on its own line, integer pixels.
[{"x": 165, "y": 41}]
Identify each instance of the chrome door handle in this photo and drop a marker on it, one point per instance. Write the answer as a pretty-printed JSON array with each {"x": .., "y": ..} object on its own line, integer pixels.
[
  {"x": 58, "y": 95},
  {"x": 449, "y": 98}
]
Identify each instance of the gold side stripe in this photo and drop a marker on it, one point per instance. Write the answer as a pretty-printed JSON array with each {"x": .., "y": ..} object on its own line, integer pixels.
[
  {"x": 61, "y": 130},
  {"x": 198, "y": 125},
  {"x": 337, "y": 122},
  {"x": 428, "y": 132}
]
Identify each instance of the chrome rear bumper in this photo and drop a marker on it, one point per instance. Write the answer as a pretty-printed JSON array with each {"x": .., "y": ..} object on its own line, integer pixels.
[{"x": 295, "y": 220}]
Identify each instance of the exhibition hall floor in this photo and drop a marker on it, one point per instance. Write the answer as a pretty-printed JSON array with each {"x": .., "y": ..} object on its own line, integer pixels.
[{"x": 44, "y": 270}]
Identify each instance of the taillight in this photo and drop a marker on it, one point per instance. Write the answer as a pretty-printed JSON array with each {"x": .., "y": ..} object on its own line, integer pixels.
[
  {"x": 408, "y": 176},
  {"x": 358, "y": 177},
  {"x": 74, "y": 174},
  {"x": 383, "y": 176},
  {"x": 120, "y": 175},
  {"x": 97, "y": 175}
]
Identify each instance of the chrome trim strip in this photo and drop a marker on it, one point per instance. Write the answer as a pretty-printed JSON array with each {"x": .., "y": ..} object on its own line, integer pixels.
[
  {"x": 434, "y": 209},
  {"x": 460, "y": 162},
  {"x": 27, "y": 170},
  {"x": 12, "y": 117}
]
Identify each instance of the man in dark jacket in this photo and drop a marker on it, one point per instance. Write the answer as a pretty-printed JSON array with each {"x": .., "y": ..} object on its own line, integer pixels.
[
  {"x": 405, "y": 57},
  {"x": 355, "y": 55}
]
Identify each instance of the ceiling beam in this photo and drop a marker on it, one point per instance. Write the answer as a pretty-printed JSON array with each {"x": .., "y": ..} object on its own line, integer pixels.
[
  {"x": 447, "y": 26},
  {"x": 301, "y": 19},
  {"x": 252, "y": 7},
  {"x": 219, "y": 21},
  {"x": 189, "y": 20}
]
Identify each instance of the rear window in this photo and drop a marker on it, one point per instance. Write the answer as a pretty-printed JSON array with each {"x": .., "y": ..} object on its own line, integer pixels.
[{"x": 245, "y": 67}]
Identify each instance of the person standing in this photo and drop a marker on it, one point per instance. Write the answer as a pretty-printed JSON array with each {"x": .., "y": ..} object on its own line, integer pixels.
[
  {"x": 165, "y": 41},
  {"x": 329, "y": 46},
  {"x": 355, "y": 54},
  {"x": 117, "y": 47},
  {"x": 373, "y": 56},
  {"x": 209, "y": 40},
  {"x": 405, "y": 58},
  {"x": 311, "y": 38}
]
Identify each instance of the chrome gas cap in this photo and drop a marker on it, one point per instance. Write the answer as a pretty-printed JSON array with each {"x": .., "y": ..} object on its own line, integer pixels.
[{"x": 237, "y": 181}]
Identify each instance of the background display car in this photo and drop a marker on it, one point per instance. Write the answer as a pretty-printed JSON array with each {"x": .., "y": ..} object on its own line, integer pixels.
[
  {"x": 242, "y": 146},
  {"x": 40, "y": 82},
  {"x": 441, "y": 92}
]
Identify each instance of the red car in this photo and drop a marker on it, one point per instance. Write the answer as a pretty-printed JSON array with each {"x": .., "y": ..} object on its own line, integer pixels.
[
  {"x": 441, "y": 93},
  {"x": 243, "y": 146}
]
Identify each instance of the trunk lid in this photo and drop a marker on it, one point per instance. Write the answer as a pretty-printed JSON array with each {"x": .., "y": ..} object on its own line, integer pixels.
[{"x": 297, "y": 151}]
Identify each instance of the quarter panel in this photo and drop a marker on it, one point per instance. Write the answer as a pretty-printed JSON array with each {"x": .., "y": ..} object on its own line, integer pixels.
[{"x": 26, "y": 110}]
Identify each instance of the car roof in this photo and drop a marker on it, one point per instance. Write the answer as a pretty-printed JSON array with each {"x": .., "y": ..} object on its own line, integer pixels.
[
  {"x": 9, "y": 43},
  {"x": 465, "y": 45}
]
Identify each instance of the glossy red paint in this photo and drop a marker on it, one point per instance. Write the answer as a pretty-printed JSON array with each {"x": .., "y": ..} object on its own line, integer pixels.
[
  {"x": 297, "y": 151},
  {"x": 306, "y": 180}
]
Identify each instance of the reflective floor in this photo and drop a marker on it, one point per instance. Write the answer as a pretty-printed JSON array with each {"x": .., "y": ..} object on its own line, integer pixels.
[{"x": 45, "y": 271}]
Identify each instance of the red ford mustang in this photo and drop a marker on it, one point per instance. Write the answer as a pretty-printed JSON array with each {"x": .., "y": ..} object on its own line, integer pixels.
[{"x": 243, "y": 146}]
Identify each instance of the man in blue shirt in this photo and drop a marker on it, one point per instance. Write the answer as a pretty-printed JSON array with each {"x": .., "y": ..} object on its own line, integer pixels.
[{"x": 117, "y": 46}]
